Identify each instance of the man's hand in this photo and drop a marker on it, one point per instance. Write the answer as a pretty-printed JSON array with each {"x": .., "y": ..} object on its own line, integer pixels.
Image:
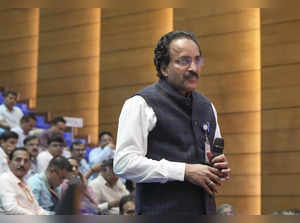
[
  {"x": 203, "y": 175},
  {"x": 220, "y": 162}
]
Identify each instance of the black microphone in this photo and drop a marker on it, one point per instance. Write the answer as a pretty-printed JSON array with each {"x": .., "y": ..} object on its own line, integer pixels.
[{"x": 218, "y": 147}]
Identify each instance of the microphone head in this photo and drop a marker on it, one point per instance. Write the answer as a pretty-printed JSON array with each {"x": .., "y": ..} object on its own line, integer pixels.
[{"x": 218, "y": 146}]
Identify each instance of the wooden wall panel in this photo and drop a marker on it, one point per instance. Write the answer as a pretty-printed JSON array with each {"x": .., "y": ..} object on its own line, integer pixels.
[
  {"x": 68, "y": 81},
  {"x": 19, "y": 50},
  {"x": 127, "y": 43},
  {"x": 281, "y": 109},
  {"x": 230, "y": 41}
]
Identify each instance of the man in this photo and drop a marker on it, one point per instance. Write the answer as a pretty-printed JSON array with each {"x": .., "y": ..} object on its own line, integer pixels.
[
  {"x": 77, "y": 152},
  {"x": 44, "y": 185},
  {"x": 88, "y": 204},
  {"x": 31, "y": 143},
  {"x": 55, "y": 148},
  {"x": 57, "y": 129},
  {"x": 10, "y": 115},
  {"x": 16, "y": 197},
  {"x": 8, "y": 144},
  {"x": 127, "y": 205},
  {"x": 108, "y": 189},
  {"x": 105, "y": 151},
  {"x": 27, "y": 124},
  {"x": 164, "y": 136}
]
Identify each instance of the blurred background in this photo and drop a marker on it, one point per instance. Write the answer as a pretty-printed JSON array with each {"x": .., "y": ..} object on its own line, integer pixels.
[{"x": 86, "y": 62}]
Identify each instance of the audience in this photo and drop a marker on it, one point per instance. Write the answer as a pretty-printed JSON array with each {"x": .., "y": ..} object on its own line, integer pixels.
[
  {"x": 55, "y": 148},
  {"x": 10, "y": 115},
  {"x": 127, "y": 205},
  {"x": 88, "y": 203},
  {"x": 31, "y": 143},
  {"x": 27, "y": 124},
  {"x": 225, "y": 210},
  {"x": 57, "y": 129},
  {"x": 16, "y": 197},
  {"x": 45, "y": 185},
  {"x": 105, "y": 151},
  {"x": 108, "y": 189},
  {"x": 77, "y": 152},
  {"x": 8, "y": 144}
]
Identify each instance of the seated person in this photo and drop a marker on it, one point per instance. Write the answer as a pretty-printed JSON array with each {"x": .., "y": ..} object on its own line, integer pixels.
[
  {"x": 55, "y": 148},
  {"x": 88, "y": 204},
  {"x": 108, "y": 189},
  {"x": 8, "y": 144},
  {"x": 57, "y": 129},
  {"x": 27, "y": 124},
  {"x": 10, "y": 115},
  {"x": 105, "y": 151},
  {"x": 77, "y": 152},
  {"x": 15, "y": 195},
  {"x": 127, "y": 205},
  {"x": 45, "y": 185},
  {"x": 225, "y": 210},
  {"x": 31, "y": 143}
]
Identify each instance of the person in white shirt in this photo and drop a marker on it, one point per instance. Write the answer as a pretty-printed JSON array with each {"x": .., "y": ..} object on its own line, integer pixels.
[
  {"x": 31, "y": 143},
  {"x": 10, "y": 115},
  {"x": 16, "y": 197},
  {"x": 165, "y": 132},
  {"x": 55, "y": 148},
  {"x": 108, "y": 189},
  {"x": 8, "y": 144},
  {"x": 27, "y": 124}
]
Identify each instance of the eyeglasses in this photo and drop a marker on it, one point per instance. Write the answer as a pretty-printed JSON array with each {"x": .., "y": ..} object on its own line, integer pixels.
[
  {"x": 187, "y": 61},
  {"x": 56, "y": 145}
]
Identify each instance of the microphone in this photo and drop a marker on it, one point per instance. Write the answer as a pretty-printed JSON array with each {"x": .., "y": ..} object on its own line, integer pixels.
[{"x": 218, "y": 147}]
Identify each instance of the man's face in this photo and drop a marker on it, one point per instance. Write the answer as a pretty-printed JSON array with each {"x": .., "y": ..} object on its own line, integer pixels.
[
  {"x": 109, "y": 175},
  {"x": 129, "y": 208},
  {"x": 33, "y": 147},
  {"x": 10, "y": 100},
  {"x": 185, "y": 65},
  {"x": 57, "y": 176},
  {"x": 105, "y": 140},
  {"x": 59, "y": 128},
  {"x": 9, "y": 145},
  {"x": 20, "y": 164},
  {"x": 55, "y": 148},
  {"x": 78, "y": 151},
  {"x": 28, "y": 125}
]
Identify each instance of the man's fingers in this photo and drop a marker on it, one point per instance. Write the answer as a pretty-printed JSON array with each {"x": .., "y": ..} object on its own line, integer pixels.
[
  {"x": 223, "y": 165},
  {"x": 207, "y": 188},
  {"x": 219, "y": 159},
  {"x": 212, "y": 186}
]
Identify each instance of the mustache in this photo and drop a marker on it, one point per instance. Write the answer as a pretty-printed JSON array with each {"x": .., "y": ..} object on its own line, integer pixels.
[
  {"x": 191, "y": 74},
  {"x": 21, "y": 168}
]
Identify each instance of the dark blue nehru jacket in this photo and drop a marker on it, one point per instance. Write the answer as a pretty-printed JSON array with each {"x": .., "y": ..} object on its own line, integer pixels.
[{"x": 178, "y": 137}]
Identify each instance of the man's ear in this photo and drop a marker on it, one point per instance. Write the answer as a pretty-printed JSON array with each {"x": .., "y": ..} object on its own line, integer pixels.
[{"x": 164, "y": 70}]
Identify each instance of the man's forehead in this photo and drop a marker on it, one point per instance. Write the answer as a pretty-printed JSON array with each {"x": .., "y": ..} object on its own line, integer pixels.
[
  {"x": 177, "y": 46},
  {"x": 20, "y": 154}
]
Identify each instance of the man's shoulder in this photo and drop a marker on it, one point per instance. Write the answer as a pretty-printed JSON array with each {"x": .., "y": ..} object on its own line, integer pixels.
[
  {"x": 36, "y": 179},
  {"x": 147, "y": 90},
  {"x": 201, "y": 97},
  {"x": 18, "y": 110}
]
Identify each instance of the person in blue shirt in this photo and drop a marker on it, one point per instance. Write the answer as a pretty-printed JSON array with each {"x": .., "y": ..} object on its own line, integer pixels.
[
  {"x": 105, "y": 151},
  {"x": 45, "y": 185}
]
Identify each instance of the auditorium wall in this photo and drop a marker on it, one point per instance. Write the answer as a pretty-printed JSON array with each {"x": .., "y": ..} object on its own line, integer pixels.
[
  {"x": 280, "y": 109},
  {"x": 69, "y": 64},
  {"x": 87, "y": 62},
  {"x": 19, "y": 30}
]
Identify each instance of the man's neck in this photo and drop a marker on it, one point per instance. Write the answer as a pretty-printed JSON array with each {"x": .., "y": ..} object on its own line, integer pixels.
[{"x": 10, "y": 108}]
